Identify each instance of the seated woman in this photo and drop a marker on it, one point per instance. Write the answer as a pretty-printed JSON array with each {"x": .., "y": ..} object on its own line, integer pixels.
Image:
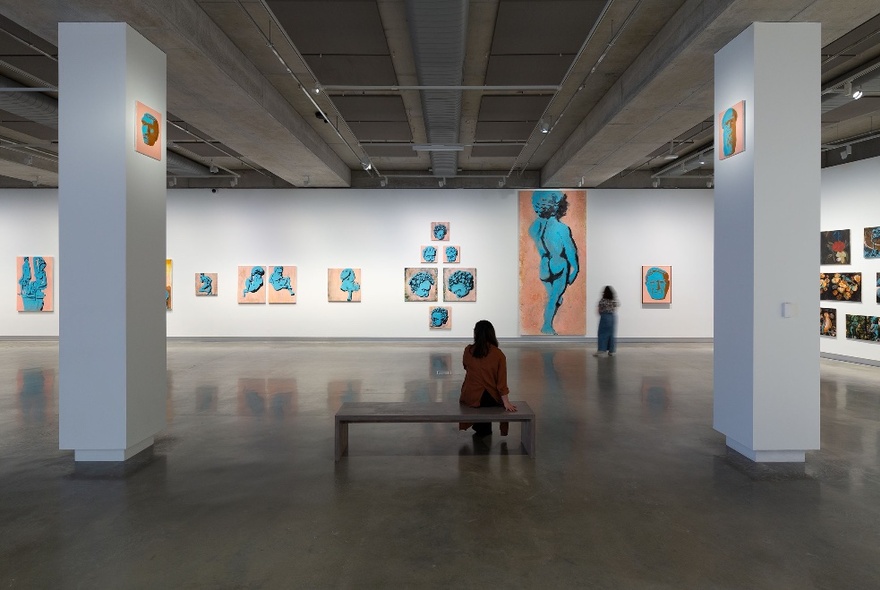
[{"x": 485, "y": 380}]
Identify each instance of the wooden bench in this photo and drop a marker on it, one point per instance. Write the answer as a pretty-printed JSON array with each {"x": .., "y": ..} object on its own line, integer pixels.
[{"x": 375, "y": 412}]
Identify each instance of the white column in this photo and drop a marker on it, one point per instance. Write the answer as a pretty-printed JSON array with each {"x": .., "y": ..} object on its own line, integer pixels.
[
  {"x": 766, "y": 244},
  {"x": 111, "y": 210}
]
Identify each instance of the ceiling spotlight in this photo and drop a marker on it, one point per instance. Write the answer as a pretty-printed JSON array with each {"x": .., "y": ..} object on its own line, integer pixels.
[
  {"x": 172, "y": 182},
  {"x": 234, "y": 182},
  {"x": 709, "y": 183},
  {"x": 847, "y": 152},
  {"x": 656, "y": 183},
  {"x": 383, "y": 183},
  {"x": 857, "y": 94},
  {"x": 213, "y": 169},
  {"x": 442, "y": 182},
  {"x": 702, "y": 160},
  {"x": 306, "y": 180},
  {"x": 581, "y": 182},
  {"x": 501, "y": 182},
  {"x": 544, "y": 126},
  {"x": 670, "y": 155},
  {"x": 366, "y": 164},
  {"x": 317, "y": 89}
]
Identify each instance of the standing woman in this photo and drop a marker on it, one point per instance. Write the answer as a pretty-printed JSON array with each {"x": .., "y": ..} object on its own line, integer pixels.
[
  {"x": 485, "y": 380},
  {"x": 607, "y": 321}
]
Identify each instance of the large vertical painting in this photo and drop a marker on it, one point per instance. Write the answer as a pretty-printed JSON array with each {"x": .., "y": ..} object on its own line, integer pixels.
[
  {"x": 840, "y": 286},
  {"x": 420, "y": 284},
  {"x": 834, "y": 247},
  {"x": 281, "y": 287},
  {"x": 149, "y": 127},
  {"x": 872, "y": 242},
  {"x": 732, "y": 130},
  {"x": 251, "y": 284},
  {"x": 206, "y": 284},
  {"x": 459, "y": 284},
  {"x": 863, "y": 327},
  {"x": 36, "y": 281},
  {"x": 656, "y": 284},
  {"x": 552, "y": 254},
  {"x": 169, "y": 285},
  {"x": 344, "y": 284},
  {"x": 827, "y": 321}
]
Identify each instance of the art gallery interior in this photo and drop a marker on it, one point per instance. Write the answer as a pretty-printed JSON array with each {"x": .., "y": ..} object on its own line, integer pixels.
[{"x": 730, "y": 442}]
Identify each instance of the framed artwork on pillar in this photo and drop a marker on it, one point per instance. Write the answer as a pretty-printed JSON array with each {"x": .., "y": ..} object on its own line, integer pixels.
[
  {"x": 732, "y": 130},
  {"x": 36, "y": 279},
  {"x": 148, "y": 123}
]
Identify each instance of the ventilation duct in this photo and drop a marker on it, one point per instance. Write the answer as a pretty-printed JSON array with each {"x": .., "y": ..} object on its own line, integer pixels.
[{"x": 438, "y": 32}]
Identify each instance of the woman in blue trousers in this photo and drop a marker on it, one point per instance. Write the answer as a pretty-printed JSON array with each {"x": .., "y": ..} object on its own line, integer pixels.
[{"x": 607, "y": 321}]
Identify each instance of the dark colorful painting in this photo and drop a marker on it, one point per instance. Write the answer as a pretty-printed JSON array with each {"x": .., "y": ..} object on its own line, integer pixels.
[
  {"x": 344, "y": 284},
  {"x": 206, "y": 284},
  {"x": 863, "y": 327},
  {"x": 36, "y": 277},
  {"x": 656, "y": 284},
  {"x": 835, "y": 247},
  {"x": 840, "y": 286},
  {"x": 281, "y": 287},
  {"x": 459, "y": 284},
  {"x": 440, "y": 318},
  {"x": 827, "y": 321},
  {"x": 872, "y": 242},
  {"x": 251, "y": 284},
  {"x": 420, "y": 284},
  {"x": 732, "y": 130},
  {"x": 878, "y": 287}
]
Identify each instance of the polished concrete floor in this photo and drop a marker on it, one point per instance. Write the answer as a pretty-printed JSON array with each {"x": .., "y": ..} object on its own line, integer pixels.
[{"x": 631, "y": 486}]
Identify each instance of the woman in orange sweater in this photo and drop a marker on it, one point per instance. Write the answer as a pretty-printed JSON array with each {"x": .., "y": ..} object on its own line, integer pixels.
[{"x": 485, "y": 380}]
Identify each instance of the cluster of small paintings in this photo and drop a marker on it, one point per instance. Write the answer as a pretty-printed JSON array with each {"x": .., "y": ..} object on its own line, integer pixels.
[
  {"x": 656, "y": 284},
  {"x": 36, "y": 279},
  {"x": 254, "y": 287},
  {"x": 449, "y": 254}
]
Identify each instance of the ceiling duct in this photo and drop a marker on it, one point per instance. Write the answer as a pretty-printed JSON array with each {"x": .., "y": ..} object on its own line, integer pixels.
[{"x": 438, "y": 32}]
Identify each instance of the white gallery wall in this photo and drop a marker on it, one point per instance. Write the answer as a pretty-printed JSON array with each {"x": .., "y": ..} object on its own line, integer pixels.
[
  {"x": 851, "y": 200},
  {"x": 381, "y": 232}
]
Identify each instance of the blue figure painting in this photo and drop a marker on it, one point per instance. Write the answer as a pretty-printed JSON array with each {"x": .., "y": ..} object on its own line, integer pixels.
[
  {"x": 254, "y": 283},
  {"x": 349, "y": 283},
  {"x": 250, "y": 284},
  {"x": 420, "y": 284},
  {"x": 559, "y": 265},
  {"x": 439, "y": 318},
  {"x": 439, "y": 230},
  {"x": 279, "y": 281},
  {"x": 451, "y": 253},
  {"x": 728, "y": 124},
  {"x": 460, "y": 285},
  {"x": 33, "y": 282},
  {"x": 207, "y": 287},
  {"x": 429, "y": 254}
]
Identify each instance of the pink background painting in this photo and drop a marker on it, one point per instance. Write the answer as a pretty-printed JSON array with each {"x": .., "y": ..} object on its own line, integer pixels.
[
  {"x": 334, "y": 282},
  {"x": 48, "y": 291},
  {"x": 282, "y": 295},
  {"x": 153, "y": 151},
  {"x": 244, "y": 273},
  {"x": 646, "y": 297}
]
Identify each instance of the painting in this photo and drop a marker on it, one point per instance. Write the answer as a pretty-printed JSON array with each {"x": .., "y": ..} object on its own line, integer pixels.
[
  {"x": 206, "y": 284},
  {"x": 429, "y": 254},
  {"x": 872, "y": 242},
  {"x": 420, "y": 284},
  {"x": 552, "y": 253},
  {"x": 36, "y": 281},
  {"x": 169, "y": 286},
  {"x": 440, "y": 231},
  {"x": 863, "y": 327},
  {"x": 827, "y": 321},
  {"x": 440, "y": 318},
  {"x": 344, "y": 284},
  {"x": 251, "y": 286},
  {"x": 149, "y": 127},
  {"x": 459, "y": 284},
  {"x": 878, "y": 287},
  {"x": 732, "y": 130},
  {"x": 452, "y": 254},
  {"x": 656, "y": 284},
  {"x": 840, "y": 286},
  {"x": 281, "y": 287},
  {"x": 834, "y": 247}
]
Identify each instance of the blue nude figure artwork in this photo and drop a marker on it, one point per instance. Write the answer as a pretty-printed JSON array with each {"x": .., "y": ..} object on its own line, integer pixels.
[
  {"x": 731, "y": 130},
  {"x": 440, "y": 231},
  {"x": 35, "y": 278},
  {"x": 282, "y": 284},
  {"x": 429, "y": 254},
  {"x": 251, "y": 286},
  {"x": 551, "y": 244},
  {"x": 656, "y": 284},
  {"x": 439, "y": 318},
  {"x": 420, "y": 284},
  {"x": 863, "y": 327},
  {"x": 460, "y": 285},
  {"x": 344, "y": 284},
  {"x": 452, "y": 254},
  {"x": 206, "y": 284},
  {"x": 872, "y": 242}
]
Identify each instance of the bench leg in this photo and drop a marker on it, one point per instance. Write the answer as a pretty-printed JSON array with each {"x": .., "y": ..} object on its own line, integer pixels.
[
  {"x": 528, "y": 437},
  {"x": 341, "y": 438}
]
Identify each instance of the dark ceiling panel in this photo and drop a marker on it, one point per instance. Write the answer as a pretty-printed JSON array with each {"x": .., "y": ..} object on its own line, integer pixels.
[
  {"x": 503, "y": 131},
  {"x": 206, "y": 150},
  {"x": 853, "y": 109},
  {"x": 493, "y": 151},
  {"x": 381, "y": 131},
  {"x": 527, "y": 70},
  {"x": 332, "y": 26},
  {"x": 370, "y": 108},
  {"x": 513, "y": 108},
  {"x": 353, "y": 70},
  {"x": 36, "y": 130},
  {"x": 548, "y": 26},
  {"x": 42, "y": 67},
  {"x": 391, "y": 151}
]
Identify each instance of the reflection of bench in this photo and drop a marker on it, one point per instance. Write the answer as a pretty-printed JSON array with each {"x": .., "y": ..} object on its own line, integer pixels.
[{"x": 375, "y": 412}]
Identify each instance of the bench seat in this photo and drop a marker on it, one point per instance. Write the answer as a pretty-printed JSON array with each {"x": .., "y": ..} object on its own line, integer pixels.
[{"x": 410, "y": 412}]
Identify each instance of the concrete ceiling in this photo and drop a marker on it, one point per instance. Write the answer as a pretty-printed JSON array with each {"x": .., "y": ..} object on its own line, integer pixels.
[{"x": 337, "y": 93}]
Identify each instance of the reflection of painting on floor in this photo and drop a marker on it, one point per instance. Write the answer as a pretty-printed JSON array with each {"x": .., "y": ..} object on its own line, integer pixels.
[
  {"x": 251, "y": 284},
  {"x": 827, "y": 321},
  {"x": 552, "y": 254},
  {"x": 863, "y": 327},
  {"x": 169, "y": 290},
  {"x": 206, "y": 284},
  {"x": 835, "y": 247},
  {"x": 459, "y": 284},
  {"x": 440, "y": 318},
  {"x": 420, "y": 284},
  {"x": 840, "y": 286},
  {"x": 281, "y": 285},
  {"x": 36, "y": 280},
  {"x": 344, "y": 284}
]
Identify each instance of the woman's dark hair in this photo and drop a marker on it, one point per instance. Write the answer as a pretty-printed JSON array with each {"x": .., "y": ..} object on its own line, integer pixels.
[
  {"x": 608, "y": 293},
  {"x": 484, "y": 335}
]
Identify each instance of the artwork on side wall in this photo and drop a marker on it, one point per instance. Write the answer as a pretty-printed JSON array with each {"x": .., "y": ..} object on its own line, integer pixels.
[
  {"x": 452, "y": 254},
  {"x": 732, "y": 130},
  {"x": 552, "y": 253},
  {"x": 169, "y": 285},
  {"x": 440, "y": 318},
  {"x": 878, "y": 287},
  {"x": 872, "y": 242},
  {"x": 863, "y": 327},
  {"x": 459, "y": 284},
  {"x": 206, "y": 284},
  {"x": 840, "y": 286},
  {"x": 429, "y": 254},
  {"x": 149, "y": 126},
  {"x": 656, "y": 284},
  {"x": 344, "y": 284},
  {"x": 827, "y": 321},
  {"x": 420, "y": 284},
  {"x": 440, "y": 231},
  {"x": 834, "y": 247},
  {"x": 36, "y": 281},
  {"x": 282, "y": 284},
  {"x": 251, "y": 284}
]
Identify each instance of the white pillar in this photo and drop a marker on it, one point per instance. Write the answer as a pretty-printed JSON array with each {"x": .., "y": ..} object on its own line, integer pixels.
[
  {"x": 112, "y": 377},
  {"x": 766, "y": 244}
]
